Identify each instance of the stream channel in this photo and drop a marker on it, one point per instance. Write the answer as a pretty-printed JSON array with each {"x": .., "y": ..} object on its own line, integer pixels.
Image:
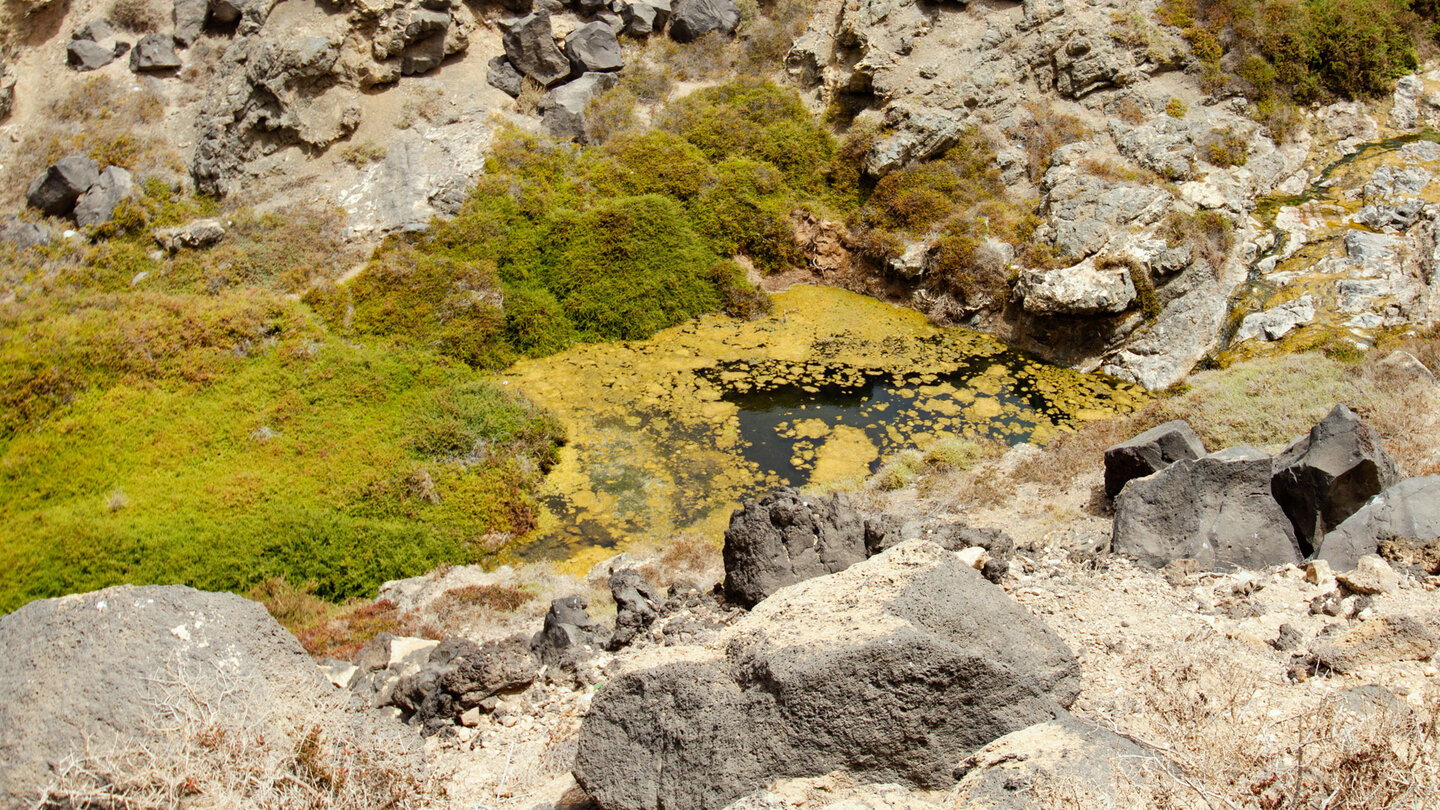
[{"x": 668, "y": 434}]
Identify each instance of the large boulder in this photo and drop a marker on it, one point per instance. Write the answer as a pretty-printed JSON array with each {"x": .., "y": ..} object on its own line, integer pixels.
[
  {"x": 1408, "y": 510},
  {"x": 562, "y": 110},
  {"x": 1083, "y": 289},
  {"x": 593, "y": 46},
  {"x": 530, "y": 45},
  {"x": 54, "y": 193},
  {"x": 786, "y": 537},
  {"x": 893, "y": 670},
  {"x": 696, "y": 18},
  {"x": 97, "y": 204},
  {"x": 1323, "y": 478},
  {"x": 642, "y": 18},
  {"x": 93, "y": 673},
  {"x": 1150, "y": 452},
  {"x": 154, "y": 53},
  {"x": 1216, "y": 510}
]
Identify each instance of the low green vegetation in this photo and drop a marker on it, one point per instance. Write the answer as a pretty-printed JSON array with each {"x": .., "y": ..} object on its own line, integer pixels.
[
  {"x": 185, "y": 419},
  {"x": 1285, "y": 52}
]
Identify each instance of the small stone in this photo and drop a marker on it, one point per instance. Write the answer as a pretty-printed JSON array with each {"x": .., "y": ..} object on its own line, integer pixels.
[
  {"x": 1372, "y": 575},
  {"x": 973, "y": 556},
  {"x": 470, "y": 717},
  {"x": 1317, "y": 572}
]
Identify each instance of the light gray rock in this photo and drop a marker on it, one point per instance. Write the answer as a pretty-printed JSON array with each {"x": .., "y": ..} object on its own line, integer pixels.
[
  {"x": 97, "y": 204},
  {"x": 693, "y": 19},
  {"x": 562, "y": 110},
  {"x": 1081, "y": 289},
  {"x": 192, "y": 235},
  {"x": 593, "y": 47},
  {"x": 1277, "y": 322},
  {"x": 85, "y": 54},
  {"x": 916, "y": 136},
  {"x": 87, "y": 671},
  {"x": 1085, "y": 63},
  {"x": 1371, "y": 576},
  {"x": 1216, "y": 510},
  {"x": 1377, "y": 254},
  {"x": 189, "y": 19},
  {"x": 1084, "y": 757},
  {"x": 1149, "y": 452},
  {"x": 1406, "y": 365},
  {"x": 154, "y": 53},
  {"x": 1396, "y": 181},
  {"x": 1405, "y": 110},
  {"x": 530, "y": 45},
  {"x": 54, "y": 193},
  {"x": 892, "y": 670},
  {"x": 504, "y": 77},
  {"x": 1085, "y": 211},
  {"x": 786, "y": 537},
  {"x": 1409, "y": 509},
  {"x": 21, "y": 234},
  {"x": 1382, "y": 640},
  {"x": 1387, "y": 216},
  {"x": 1324, "y": 477}
]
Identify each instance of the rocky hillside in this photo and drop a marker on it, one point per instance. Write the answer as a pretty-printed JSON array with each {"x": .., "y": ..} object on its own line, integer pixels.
[{"x": 895, "y": 647}]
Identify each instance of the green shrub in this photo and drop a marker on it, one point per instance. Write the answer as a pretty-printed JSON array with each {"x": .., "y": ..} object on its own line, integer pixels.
[
  {"x": 745, "y": 209},
  {"x": 755, "y": 119},
  {"x": 1228, "y": 148},
  {"x": 658, "y": 162},
  {"x": 1175, "y": 108},
  {"x": 1288, "y": 51}
]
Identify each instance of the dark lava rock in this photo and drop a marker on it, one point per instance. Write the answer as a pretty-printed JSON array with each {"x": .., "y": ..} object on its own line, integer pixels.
[
  {"x": 1409, "y": 510},
  {"x": 1150, "y": 452},
  {"x": 97, "y": 204},
  {"x": 504, "y": 77},
  {"x": 530, "y": 46},
  {"x": 785, "y": 538},
  {"x": 562, "y": 110},
  {"x": 892, "y": 671},
  {"x": 1323, "y": 478},
  {"x": 1216, "y": 510},
  {"x": 54, "y": 193},
  {"x": 154, "y": 53},
  {"x": 696, "y": 18},
  {"x": 637, "y": 604},
  {"x": 642, "y": 18},
  {"x": 461, "y": 675},
  {"x": 593, "y": 47},
  {"x": 569, "y": 634}
]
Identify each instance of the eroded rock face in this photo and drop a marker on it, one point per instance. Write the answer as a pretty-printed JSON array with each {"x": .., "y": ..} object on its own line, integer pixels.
[
  {"x": 1408, "y": 510},
  {"x": 637, "y": 604},
  {"x": 1084, "y": 289},
  {"x": 84, "y": 671},
  {"x": 1377, "y": 641},
  {"x": 784, "y": 538},
  {"x": 1325, "y": 477},
  {"x": 1216, "y": 510},
  {"x": 892, "y": 670},
  {"x": 1149, "y": 452}
]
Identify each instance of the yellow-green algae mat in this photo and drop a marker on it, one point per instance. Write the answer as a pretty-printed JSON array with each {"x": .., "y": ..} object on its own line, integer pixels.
[{"x": 669, "y": 433}]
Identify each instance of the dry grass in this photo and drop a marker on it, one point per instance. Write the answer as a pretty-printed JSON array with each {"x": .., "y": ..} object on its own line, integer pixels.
[
  {"x": 240, "y": 751},
  {"x": 1267, "y": 403},
  {"x": 1238, "y": 746},
  {"x": 327, "y": 630},
  {"x": 141, "y": 16}
]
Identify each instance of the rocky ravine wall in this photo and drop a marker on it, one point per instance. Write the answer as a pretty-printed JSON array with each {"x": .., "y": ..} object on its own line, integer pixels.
[{"x": 269, "y": 95}]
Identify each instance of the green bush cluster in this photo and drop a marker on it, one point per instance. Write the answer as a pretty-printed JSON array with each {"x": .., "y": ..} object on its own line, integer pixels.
[
  {"x": 563, "y": 243},
  {"x": 960, "y": 197},
  {"x": 1282, "y": 52},
  {"x": 223, "y": 439}
]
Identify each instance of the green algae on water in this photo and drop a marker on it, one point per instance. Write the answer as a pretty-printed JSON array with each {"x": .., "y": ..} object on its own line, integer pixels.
[{"x": 669, "y": 433}]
